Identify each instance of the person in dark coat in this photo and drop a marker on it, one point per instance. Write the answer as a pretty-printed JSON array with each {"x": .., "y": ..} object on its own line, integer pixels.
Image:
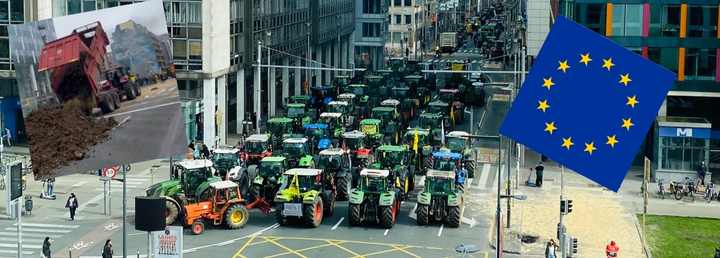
[
  {"x": 107, "y": 250},
  {"x": 46, "y": 248},
  {"x": 205, "y": 152},
  {"x": 539, "y": 169},
  {"x": 72, "y": 204},
  {"x": 701, "y": 171}
]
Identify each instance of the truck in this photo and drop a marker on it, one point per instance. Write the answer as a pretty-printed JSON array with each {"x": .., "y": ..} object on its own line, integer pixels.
[
  {"x": 79, "y": 73},
  {"x": 448, "y": 42}
]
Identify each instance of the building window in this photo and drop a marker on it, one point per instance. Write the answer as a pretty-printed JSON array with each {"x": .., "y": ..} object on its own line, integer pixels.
[
  {"x": 408, "y": 19},
  {"x": 408, "y": 2},
  {"x": 195, "y": 49},
  {"x": 195, "y": 13},
  {"x": 627, "y": 20},
  {"x": 371, "y": 30},
  {"x": 74, "y": 6},
  {"x": 398, "y": 19},
  {"x": 667, "y": 57},
  {"x": 371, "y": 6},
  {"x": 397, "y": 3},
  {"x": 17, "y": 10},
  {"x": 89, "y": 6},
  {"x": 700, "y": 64},
  {"x": 702, "y": 21},
  {"x": 665, "y": 20},
  {"x": 179, "y": 49},
  {"x": 4, "y": 48},
  {"x": 4, "y": 11},
  {"x": 591, "y": 15}
]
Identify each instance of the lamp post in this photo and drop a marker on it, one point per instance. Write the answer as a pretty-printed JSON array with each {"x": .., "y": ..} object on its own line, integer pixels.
[{"x": 308, "y": 77}]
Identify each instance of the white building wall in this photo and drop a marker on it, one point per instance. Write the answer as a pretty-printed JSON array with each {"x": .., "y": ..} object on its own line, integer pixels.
[
  {"x": 216, "y": 36},
  {"x": 538, "y": 15}
]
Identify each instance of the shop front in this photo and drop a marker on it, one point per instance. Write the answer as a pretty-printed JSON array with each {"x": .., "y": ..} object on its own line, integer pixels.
[{"x": 682, "y": 144}]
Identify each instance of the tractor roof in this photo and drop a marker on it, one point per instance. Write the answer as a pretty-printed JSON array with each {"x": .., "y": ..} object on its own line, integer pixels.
[
  {"x": 273, "y": 159},
  {"x": 357, "y": 85},
  {"x": 420, "y": 131},
  {"x": 370, "y": 121},
  {"x": 355, "y": 134},
  {"x": 226, "y": 150},
  {"x": 195, "y": 163},
  {"x": 430, "y": 115},
  {"x": 390, "y": 102},
  {"x": 346, "y": 96},
  {"x": 391, "y": 148},
  {"x": 440, "y": 174},
  {"x": 446, "y": 155},
  {"x": 330, "y": 114},
  {"x": 449, "y": 90},
  {"x": 258, "y": 138},
  {"x": 458, "y": 134},
  {"x": 384, "y": 109},
  {"x": 316, "y": 126},
  {"x": 339, "y": 103},
  {"x": 295, "y": 140},
  {"x": 280, "y": 120},
  {"x": 374, "y": 172},
  {"x": 332, "y": 152},
  {"x": 438, "y": 103},
  {"x": 296, "y": 105},
  {"x": 303, "y": 172},
  {"x": 223, "y": 184}
]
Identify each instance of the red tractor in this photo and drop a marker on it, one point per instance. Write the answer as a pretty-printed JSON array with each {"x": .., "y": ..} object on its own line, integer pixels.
[{"x": 77, "y": 62}]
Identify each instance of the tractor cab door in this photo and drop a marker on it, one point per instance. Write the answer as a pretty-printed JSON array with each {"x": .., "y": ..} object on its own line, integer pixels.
[{"x": 220, "y": 199}]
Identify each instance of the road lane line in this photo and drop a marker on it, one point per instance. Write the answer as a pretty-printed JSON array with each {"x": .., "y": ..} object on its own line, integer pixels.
[
  {"x": 441, "y": 229},
  {"x": 142, "y": 109},
  {"x": 337, "y": 224},
  {"x": 341, "y": 247},
  {"x": 252, "y": 237},
  {"x": 386, "y": 232},
  {"x": 78, "y": 184},
  {"x": 48, "y": 225},
  {"x": 299, "y": 250}
]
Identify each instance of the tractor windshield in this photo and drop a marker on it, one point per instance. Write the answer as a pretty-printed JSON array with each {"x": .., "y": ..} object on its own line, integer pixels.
[
  {"x": 256, "y": 147},
  {"x": 428, "y": 122},
  {"x": 358, "y": 91},
  {"x": 225, "y": 159},
  {"x": 369, "y": 129},
  {"x": 456, "y": 143},
  {"x": 373, "y": 184},
  {"x": 390, "y": 158},
  {"x": 445, "y": 164},
  {"x": 192, "y": 178},
  {"x": 270, "y": 168},
  {"x": 295, "y": 111},
  {"x": 437, "y": 109},
  {"x": 329, "y": 161},
  {"x": 294, "y": 149},
  {"x": 315, "y": 132},
  {"x": 441, "y": 185},
  {"x": 336, "y": 108},
  {"x": 384, "y": 115}
]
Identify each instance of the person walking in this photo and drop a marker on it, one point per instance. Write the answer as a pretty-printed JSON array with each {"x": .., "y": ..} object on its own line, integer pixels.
[
  {"x": 204, "y": 151},
  {"x": 107, "y": 249},
  {"x": 701, "y": 171},
  {"x": 612, "y": 250},
  {"x": 46, "y": 248},
  {"x": 72, "y": 204},
  {"x": 51, "y": 186},
  {"x": 539, "y": 169},
  {"x": 551, "y": 249}
]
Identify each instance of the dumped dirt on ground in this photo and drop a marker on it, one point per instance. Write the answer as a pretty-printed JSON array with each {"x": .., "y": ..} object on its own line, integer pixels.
[{"x": 59, "y": 135}]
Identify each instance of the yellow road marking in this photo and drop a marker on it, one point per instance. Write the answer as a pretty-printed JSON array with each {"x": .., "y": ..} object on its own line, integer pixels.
[
  {"x": 258, "y": 243},
  {"x": 271, "y": 240},
  {"x": 385, "y": 251},
  {"x": 337, "y": 244},
  {"x": 355, "y": 242},
  {"x": 406, "y": 251},
  {"x": 239, "y": 252},
  {"x": 299, "y": 250}
]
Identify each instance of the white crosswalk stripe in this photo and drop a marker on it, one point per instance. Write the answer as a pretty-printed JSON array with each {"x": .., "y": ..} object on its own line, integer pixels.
[{"x": 33, "y": 235}]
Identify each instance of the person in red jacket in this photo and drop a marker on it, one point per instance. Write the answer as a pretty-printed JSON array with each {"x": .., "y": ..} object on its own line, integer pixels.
[{"x": 612, "y": 250}]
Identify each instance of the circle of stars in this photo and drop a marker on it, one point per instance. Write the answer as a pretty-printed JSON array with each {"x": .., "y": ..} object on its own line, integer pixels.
[{"x": 626, "y": 123}]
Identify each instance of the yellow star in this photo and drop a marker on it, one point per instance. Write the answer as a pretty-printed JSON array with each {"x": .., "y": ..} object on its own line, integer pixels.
[
  {"x": 607, "y": 63},
  {"x": 590, "y": 147},
  {"x": 550, "y": 127},
  {"x": 632, "y": 101},
  {"x": 611, "y": 140},
  {"x": 585, "y": 59},
  {"x": 567, "y": 142},
  {"x": 547, "y": 83},
  {"x": 625, "y": 79},
  {"x": 627, "y": 123},
  {"x": 563, "y": 66},
  {"x": 543, "y": 105}
]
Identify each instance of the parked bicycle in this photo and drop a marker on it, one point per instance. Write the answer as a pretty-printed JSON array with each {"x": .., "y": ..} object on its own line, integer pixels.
[
  {"x": 711, "y": 192},
  {"x": 685, "y": 189},
  {"x": 661, "y": 188}
]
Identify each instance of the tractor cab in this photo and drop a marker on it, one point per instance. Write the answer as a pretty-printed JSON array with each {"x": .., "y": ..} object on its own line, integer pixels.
[
  {"x": 390, "y": 119},
  {"x": 256, "y": 147},
  {"x": 225, "y": 159},
  {"x": 440, "y": 200},
  {"x": 336, "y": 123},
  {"x": 319, "y": 136},
  {"x": 224, "y": 206},
  {"x": 389, "y": 156},
  {"x": 306, "y": 178},
  {"x": 297, "y": 151},
  {"x": 279, "y": 128},
  {"x": 304, "y": 196},
  {"x": 193, "y": 174},
  {"x": 336, "y": 166},
  {"x": 431, "y": 121},
  {"x": 446, "y": 161},
  {"x": 321, "y": 96},
  {"x": 341, "y": 82},
  {"x": 374, "y": 200},
  {"x": 266, "y": 183},
  {"x": 458, "y": 141},
  {"x": 299, "y": 99},
  {"x": 440, "y": 182},
  {"x": 439, "y": 107},
  {"x": 272, "y": 166},
  {"x": 371, "y": 128},
  {"x": 417, "y": 140},
  {"x": 350, "y": 98},
  {"x": 298, "y": 113},
  {"x": 339, "y": 107},
  {"x": 353, "y": 140},
  {"x": 375, "y": 181}
]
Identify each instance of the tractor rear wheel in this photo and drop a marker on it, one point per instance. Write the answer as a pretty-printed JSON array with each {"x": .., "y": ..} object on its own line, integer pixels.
[
  {"x": 130, "y": 91},
  {"x": 137, "y": 90},
  {"x": 470, "y": 168},
  {"x": 282, "y": 220},
  {"x": 355, "y": 216},
  {"x": 453, "y": 218},
  {"x": 116, "y": 100},
  {"x": 236, "y": 216},
  {"x": 172, "y": 211},
  {"x": 423, "y": 214},
  {"x": 343, "y": 187},
  {"x": 313, "y": 213},
  {"x": 387, "y": 216},
  {"x": 328, "y": 204},
  {"x": 106, "y": 105},
  {"x": 197, "y": 227}
]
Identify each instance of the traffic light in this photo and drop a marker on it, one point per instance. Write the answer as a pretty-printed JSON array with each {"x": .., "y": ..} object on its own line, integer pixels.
[
  {"x": 569, "y": 206},
  {"x": 574, "y": 245},
  {"x": 563, "y": 207}
]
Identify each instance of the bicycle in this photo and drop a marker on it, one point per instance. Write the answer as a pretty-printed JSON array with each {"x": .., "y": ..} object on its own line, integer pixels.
[
  {"x": 661, "y": 188},
  {"x": 711, "y": 192},
  {"x": 684, "y": 189}
]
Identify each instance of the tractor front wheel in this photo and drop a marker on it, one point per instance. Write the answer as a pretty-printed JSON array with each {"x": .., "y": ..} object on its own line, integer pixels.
[
  {"x": 236, "y": 216},
  {"x": 343, "y": 187},
  {"x": 355, "y": 216},
  {"x": 198, "y": 227},
  {"x": 329, "y": 204},
  {"x": 313, "y": 213},
  {"x": 282, "y": 220},
  {"x": 387, "y": 215},
  {"x": 423, "y": 214},
  {"x": 453, "y": 218}
]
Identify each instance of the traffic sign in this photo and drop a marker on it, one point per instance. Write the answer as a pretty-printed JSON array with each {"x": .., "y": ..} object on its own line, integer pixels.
[{"x": 110, "y": 172}]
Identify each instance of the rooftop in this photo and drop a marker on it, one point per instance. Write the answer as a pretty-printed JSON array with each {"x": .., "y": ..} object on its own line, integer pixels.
[
  {"x": 374, "y": 172},
  {"x": 303, "y": 172},
  {"x": 195, "y": 163}
]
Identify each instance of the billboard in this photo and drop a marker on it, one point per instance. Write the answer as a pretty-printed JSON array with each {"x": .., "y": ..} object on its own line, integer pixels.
[{"x": 98, "y": 89}]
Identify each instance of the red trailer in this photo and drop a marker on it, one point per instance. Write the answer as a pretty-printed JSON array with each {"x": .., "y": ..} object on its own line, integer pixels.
[{"x": 77, "y": 65}]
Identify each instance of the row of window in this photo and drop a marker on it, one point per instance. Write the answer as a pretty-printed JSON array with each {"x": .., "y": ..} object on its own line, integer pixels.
[
  {"x": 183, "y": 12},
  {"x": 12, "y": 10},
  {"x": 371, "y": 29},
  {"x": 399, "y": 3},
  {"x": 699, "y": 64},
  {"x": 374, "y": 7}
]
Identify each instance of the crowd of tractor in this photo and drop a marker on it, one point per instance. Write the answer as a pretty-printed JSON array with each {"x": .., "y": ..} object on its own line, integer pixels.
[{"x": 363, "y": 140}]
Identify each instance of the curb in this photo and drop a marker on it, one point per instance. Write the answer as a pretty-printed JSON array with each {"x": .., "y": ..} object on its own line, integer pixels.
[{"x": 646, "y": 249}]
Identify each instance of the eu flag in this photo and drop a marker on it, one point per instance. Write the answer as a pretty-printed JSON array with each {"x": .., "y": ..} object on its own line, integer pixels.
[{"x": 587, "y": 103}]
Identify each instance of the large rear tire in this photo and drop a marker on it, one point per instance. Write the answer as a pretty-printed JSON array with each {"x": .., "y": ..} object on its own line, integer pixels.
[
  {"x": 354, "y": 215},
  {"x": 387, "y": 216},
  {"x": 106, "y": 105},
  {"x": 343, "y": 187},
  {"x": 172, "y": 211},
  {"x": 453, "y": 218},
  {"x": 282, "y": 220},
  {"x": 137, "y": 90},
  {"x": 313, "y": 213},
  {"x": 236, "y": 216},
  {"x": 328, "y": 204},
  {"x": 423, "y": 214},
  {"x": 130, "y": 93}
]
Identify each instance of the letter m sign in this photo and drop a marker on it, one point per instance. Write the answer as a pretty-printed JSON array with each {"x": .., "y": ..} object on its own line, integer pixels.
[{"x": 684, "y": 132}]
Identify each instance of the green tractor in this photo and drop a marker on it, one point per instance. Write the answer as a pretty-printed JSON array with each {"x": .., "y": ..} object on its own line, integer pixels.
[
  {"x": 224, "y": 159},
  {"x": 408, "y": 104},
  {"x": 304, "y": 196},
  {"x": 297, "y": 151},
  {"x": 395, "y": 159},
  {"x": 344, "y": 108},
  {"x": 189, "y": 181},
  {"x": 360, "y": 155},
  {"x": 318, "y": 136},
  {"x": 417, "y": 140},
  {"x": 456, "y": 106},
  {"x": 279, "y": 128},
  {"x": 459, "y": 142},
  {"x": 440, "y": 200},
  {"x": 362, "y": 99},
  {"x": 336, "y": 123},
  {"x": 298, "y": 113},
  {"x": 267, "y": 182},
  {"x": 390, "y": 121},
  {"x": 371, "y": 128},
  {"x": 340, "y": 83},
  {"x": 431, "y": 121},
  {"x": 374, "y": 200},
  {"x": 336, "y": 166}
]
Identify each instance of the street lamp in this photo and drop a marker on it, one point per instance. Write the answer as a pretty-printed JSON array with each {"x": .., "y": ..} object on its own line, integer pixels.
[
  {"x": 308, "y": 78},
  {"x": 268, "y": 34}
]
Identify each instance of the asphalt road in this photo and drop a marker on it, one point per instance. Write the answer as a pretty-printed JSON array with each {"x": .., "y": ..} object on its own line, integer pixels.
[{"x": 150, "y": 127}]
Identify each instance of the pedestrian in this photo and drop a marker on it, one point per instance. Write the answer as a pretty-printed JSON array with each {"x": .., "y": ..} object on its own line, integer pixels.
[
  {"x": 460, "y": 177},
  {"x": 190, "y": 154},
  {"x": 205, "y": 152},
  {"x": 72, "y": 204},
  {"x": 551, "y": 249},
  {"x": 701, "y": 171},
  {"x": 46, "y": 248},
  {"x": 612, "y": 250},
  {"x": 50, "y": 186},
  {"x": 107, "y": 250},
  {"x": 539, "y": 169}
]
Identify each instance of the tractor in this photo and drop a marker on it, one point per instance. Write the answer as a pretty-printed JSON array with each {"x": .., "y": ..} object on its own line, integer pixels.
[
  {"x": 395, "y": 159},
  {"x": 459, "y": 142},
  {"x": 318, "y": 136},
  {"x": 336, "y": 123},
  {"x": 304, "y": 196},
  {"x": 336, "y": 165},
  {"x": 417, "y": 141},
  {"x": 189, "y": 180},
  {"x": 224, "y": 206},
  {"x": 344, "y": 108},
  {"x": 297, "y": 151},
  {"x": 362, "y": 100},
  {"x": 440, "y": 200},
  {"x": 360, "y": 155},
  {"x": 431, "y": 121},
  {"x": 420, "y": 90},
  {"x": 267, "y": 182},
  {"x": 340, "y": 83},
  {"x": 321, "y": 96},
  {"x": 444, "y": 160},
  {"x": 298, "y": 113},
  {"x": 279, "y": 128},
  {"x": 374, "y": 200},
  {"x": 352, "y": 105},
  {"x": 256, "y": 147},
  {"x": 371, "y": 128},
  {"x": 407, "y": 104},
  {"x": 390, "y": 121},
  {"x": 229, "y": 166},
  {"x": 454, "y": 97}
]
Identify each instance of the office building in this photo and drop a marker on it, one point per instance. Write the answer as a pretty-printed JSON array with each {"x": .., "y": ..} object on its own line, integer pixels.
[
  {"x": 407, "y": 22},
  {"x": 371, "y": 26}
]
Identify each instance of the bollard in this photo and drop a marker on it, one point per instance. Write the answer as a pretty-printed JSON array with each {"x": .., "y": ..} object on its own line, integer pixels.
[
  {"x": 70, "y": 253},
  {"x": 138, "y": 253}
]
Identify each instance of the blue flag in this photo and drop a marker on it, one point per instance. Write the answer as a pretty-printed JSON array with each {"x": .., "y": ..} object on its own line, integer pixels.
[{"x": 587, "y": 103}]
